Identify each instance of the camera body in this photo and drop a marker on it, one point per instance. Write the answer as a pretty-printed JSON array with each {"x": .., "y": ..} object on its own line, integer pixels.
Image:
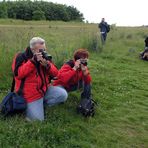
[
  {"x": 83, "y": 62},
  {"x": 45, "y": 55}
]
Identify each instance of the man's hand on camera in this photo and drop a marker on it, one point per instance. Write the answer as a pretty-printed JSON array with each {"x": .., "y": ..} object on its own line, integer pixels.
[
  {"x": 39, "y": 58},
  {"x": 77, "y": 65},
  {"x": 44, "y": 63}
]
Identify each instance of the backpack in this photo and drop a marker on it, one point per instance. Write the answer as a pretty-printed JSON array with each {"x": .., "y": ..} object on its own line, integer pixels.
[
  {"x": 13, "y": 102},
  {"x": 86, "y": 107},
  {"x": 108, "y": 28}
]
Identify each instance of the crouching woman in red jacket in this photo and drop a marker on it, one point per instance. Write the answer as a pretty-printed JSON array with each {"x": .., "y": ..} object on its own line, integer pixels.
[
  {"x": 33, "y": 69},
  {"x": 75, "y": 74}
]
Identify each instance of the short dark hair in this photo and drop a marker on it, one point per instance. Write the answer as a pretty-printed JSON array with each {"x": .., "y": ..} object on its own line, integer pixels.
[{"x": 81, "y": 53}]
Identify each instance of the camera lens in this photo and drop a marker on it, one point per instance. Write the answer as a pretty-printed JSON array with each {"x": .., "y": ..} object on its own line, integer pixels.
[{"x": 45, "y": 54}]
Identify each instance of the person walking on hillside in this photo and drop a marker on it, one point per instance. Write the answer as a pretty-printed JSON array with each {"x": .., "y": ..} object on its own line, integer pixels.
[{"x": 104, "y": 29}]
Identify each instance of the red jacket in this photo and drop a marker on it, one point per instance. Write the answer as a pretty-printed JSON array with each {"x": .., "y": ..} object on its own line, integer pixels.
[
  {"x": 68, "y": 77},
  {"x": 32, "y": 86}
]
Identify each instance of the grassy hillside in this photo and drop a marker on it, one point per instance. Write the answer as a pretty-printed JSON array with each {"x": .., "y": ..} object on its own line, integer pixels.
[{"x": 119, "y": 85}]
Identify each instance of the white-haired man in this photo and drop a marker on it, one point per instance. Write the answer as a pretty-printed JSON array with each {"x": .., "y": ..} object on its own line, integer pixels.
[{"x": 32, "y": 71}]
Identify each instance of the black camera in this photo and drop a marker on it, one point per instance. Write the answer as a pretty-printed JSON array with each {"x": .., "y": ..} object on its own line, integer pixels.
[
  {"x": 83, "y": 62},
  {"x": 45, "y": 55}
]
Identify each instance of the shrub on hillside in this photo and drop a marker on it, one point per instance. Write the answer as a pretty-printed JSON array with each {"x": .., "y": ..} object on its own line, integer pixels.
[{"x": 38, "y": 15}]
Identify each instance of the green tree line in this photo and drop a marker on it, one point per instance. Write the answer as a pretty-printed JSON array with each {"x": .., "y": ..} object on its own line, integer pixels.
[{"x": 39, "y": 10}]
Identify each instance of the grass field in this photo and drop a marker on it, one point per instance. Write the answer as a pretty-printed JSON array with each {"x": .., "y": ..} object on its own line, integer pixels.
[{"x": 119, "y": 85}]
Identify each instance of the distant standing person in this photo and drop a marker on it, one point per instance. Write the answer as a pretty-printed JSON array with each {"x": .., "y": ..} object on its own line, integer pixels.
[{"x": 104, "y": 29}]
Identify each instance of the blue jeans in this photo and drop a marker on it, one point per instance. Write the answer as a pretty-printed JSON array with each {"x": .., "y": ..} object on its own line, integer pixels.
[{"x": 53, "y": 96}]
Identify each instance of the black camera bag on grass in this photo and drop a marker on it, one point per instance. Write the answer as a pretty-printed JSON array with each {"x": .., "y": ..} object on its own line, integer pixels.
[{"x": 86, "y": 107}]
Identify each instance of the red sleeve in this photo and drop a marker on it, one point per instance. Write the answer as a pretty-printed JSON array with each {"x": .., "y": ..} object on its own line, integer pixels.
[
  {"x": 24, "y": 69},
  {"x": 53, "y": 70},
  {"x": 66, "y": 73}
]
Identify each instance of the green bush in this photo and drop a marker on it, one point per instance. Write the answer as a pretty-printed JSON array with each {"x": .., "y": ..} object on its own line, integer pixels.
[{"x": 38, "y": 15}]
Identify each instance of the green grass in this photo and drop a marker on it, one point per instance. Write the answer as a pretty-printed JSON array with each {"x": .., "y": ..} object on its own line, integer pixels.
[{"x": 119, "y": 85}]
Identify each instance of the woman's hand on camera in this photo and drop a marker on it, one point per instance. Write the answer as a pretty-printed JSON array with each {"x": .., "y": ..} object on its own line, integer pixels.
[
  {"x": 77, "y": 65},
  {"x": 84, "y": 70}
]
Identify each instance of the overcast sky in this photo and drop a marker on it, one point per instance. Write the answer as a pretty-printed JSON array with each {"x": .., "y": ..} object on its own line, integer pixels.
[{"x": 120, "y": 12}]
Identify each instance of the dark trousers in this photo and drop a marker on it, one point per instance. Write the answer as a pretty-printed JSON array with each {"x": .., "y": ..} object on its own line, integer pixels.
[
  {"x": 86, "y": 93},
  {"x": 103, "y": 37}
]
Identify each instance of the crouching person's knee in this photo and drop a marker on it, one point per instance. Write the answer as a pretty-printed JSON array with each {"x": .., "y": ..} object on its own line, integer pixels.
[
  {"x": 63, "y": 95},
  {"x": 35, "y": 110}
]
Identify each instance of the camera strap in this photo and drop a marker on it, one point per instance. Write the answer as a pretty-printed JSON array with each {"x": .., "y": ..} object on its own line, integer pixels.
[{"x": 13, "y": 84}]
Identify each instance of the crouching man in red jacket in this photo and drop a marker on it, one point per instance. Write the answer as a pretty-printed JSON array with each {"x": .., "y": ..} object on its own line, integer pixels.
[
  {"x": 75, "y": 74},
  {"x": 33, "y": 69}
]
